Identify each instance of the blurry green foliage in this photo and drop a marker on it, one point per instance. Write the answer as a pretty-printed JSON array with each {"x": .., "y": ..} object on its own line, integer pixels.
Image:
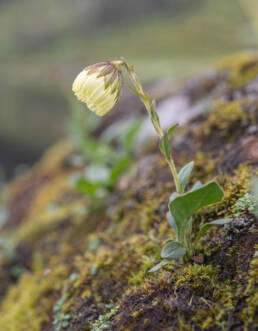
[{"x": 104, "y": 158}]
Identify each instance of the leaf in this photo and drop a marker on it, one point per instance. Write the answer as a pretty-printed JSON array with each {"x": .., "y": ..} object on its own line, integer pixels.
[
  {"x": 173, "y": 250},
  {"x": 153, "y": 108},
  {"x": 136, "y": 91},
  {"x": 164, "y": 142},
  {"x": 165, "y": 146},
  {"x": 154, "y": 116},
  {"x": 207, "y": 226},
  {"x": 185, "y": 205},
  {"x": 171, "y": 130},
  {"x": 118, "y": 168},
  {"x": 196, "y": 185},
  {"x": 184, "y": 174},
  {"x": 171, "y": 222},
  {"x": 158, "y": 266},
  {"x": 86, "y": 187},
  {"x": 173, "y": 196}
]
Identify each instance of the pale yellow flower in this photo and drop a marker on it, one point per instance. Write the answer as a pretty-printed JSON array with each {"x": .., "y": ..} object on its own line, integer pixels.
[{"x": 99, "y": 86}]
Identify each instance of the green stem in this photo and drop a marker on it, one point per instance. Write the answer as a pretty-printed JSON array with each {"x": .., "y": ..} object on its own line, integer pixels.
[{"x": 146, "y": 101}]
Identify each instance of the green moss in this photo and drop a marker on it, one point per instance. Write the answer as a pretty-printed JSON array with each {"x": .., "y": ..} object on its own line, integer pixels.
[
  {"x": 28, "y": 303},
  {"x": 111, "y": 249},
  {"x": 223, "y": 118},
  {"x": 242, "y": 69},
  {"x": 249, "y": 313}
]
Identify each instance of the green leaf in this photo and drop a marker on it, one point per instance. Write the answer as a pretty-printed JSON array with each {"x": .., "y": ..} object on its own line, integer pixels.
[
  {"x": 164, "y": 142},
  {"x": 153, "y": 108},
  {"x": 207, "y": 226},
  {"x": 136, "y": 91},
  {"x": 171, "y": 130},
  {"x": 171, "y": 222},
  {"x": 184, "y": 174},
  {"x": 118, "y": 168},
  {"x": 165, "y": 146},
  {"x": 173, "y": 250},
  {"x": 173, "y": 196},
  {"x": 185, "y": 205},
  {"x": 154, "y": 116},
  {"x": 196, "y": 185},
  {"x": 86, "y": 187},
  {"x": 158, "y": 266}
]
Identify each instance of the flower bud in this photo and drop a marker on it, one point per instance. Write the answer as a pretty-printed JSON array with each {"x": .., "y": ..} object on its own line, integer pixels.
[{"x": 99, "y": 86}]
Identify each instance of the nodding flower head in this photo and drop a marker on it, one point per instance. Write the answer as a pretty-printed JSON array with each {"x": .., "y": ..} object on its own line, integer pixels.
[{"x": 99, "y": 86}]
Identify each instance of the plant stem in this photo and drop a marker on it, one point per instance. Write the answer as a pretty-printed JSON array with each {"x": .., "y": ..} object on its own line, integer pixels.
[{"x": 146, "y": 101}]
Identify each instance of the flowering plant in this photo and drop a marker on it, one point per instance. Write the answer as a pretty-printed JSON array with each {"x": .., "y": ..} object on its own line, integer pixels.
[{"x": 99, "y": 86}]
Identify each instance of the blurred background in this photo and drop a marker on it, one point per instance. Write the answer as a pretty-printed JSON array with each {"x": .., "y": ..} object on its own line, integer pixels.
[{"x": 45, "y": 43}]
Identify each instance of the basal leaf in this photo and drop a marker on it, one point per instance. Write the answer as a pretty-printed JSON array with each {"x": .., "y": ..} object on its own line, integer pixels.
[
  {"x": 158, "y": 266},
  {"x": 171, "y": 222},
  {"x": 207, "y": 226},
  {"x": 184, "y": 174},
  {"x": 185, "y": 205},
  {"x": 173, "y": 250},
  {"x": 173, "y": 196},
  {"x": 196, "y": 185}
]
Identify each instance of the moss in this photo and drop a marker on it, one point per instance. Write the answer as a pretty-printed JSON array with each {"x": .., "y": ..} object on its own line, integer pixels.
[
  {"x": 223, "y": 117},
  {"x": 249, "y": 313},
  {"x": 111, "y": 249},
  {"x": 29, "y": 302},
  {"x": 242, "y": 69}
]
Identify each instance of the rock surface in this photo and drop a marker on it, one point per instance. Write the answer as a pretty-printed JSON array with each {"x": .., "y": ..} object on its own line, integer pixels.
[{"x": 68, "y": 266}]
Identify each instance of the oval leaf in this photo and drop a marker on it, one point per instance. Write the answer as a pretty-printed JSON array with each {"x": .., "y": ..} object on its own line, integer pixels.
[
  {"x": 158, "y": 266},
  {"x": 196, "y": 185},
  {"x": 173, "y": 196},
  {"x": 171, "y": 222},
  {"x": 185, "y": 205},
  {"x": 173, "y": 250}
]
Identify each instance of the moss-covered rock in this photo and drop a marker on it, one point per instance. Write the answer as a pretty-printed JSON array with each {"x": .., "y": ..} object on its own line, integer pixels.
[{"x": 70, "y": 266}]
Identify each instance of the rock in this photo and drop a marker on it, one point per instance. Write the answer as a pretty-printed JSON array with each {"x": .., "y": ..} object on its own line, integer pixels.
[{"x": 87, "y": 270}]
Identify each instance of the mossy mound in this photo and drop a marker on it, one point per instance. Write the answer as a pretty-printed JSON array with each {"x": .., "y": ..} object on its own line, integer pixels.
[{"x": 74, "y": 267}]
